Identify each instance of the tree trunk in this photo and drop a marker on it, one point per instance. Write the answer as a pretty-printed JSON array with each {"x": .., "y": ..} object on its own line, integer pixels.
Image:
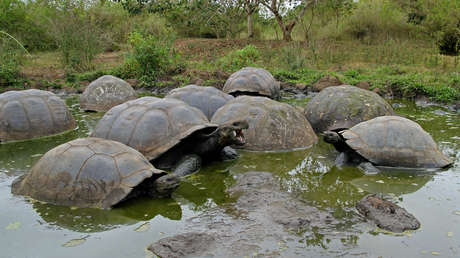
[
  {"x": 250, "y": 26},
  {"x": 287, "y": 34}
]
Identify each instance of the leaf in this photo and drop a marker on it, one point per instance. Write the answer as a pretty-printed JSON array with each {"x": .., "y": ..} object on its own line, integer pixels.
[
  {"x": 450, "y": 234},
  {"x": 144, "y": 227},
  {"x": 435, "y": 253},
  {"x": 13, "y": 225},
  {"x": 75, "y": 242}
]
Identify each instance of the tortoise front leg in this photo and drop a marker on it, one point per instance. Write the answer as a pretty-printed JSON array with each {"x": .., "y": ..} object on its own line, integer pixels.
[
  {"x": 228, "y": 153},
  {"x": 189, "y": 164}
]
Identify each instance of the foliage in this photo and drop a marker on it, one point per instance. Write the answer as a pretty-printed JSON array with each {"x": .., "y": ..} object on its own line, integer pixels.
[
  {"x": 238, "y": 59},
  {"x": 11, "y": 57},
  {"x": 150, "y": 57},
  {"x": 442, "y": 22},
  {"x": 377, "y": 20},
  {"x": 20, "y": 19}
]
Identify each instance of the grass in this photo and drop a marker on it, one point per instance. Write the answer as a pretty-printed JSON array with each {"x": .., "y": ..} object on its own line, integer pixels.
[{"x": 402, "y": 67}]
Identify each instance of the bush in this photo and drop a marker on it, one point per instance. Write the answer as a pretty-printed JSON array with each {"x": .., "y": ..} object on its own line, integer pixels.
[
  {"x": 377, "y": 19},
  {"x": 238, "y": 59},
  {"x": 442, "y": 22},
  {"x": 22, "y": 21},
  {"x": 150, "y": 57},
  {"x": 11, "y": 58},
  {"x": 77, "y": 36}
]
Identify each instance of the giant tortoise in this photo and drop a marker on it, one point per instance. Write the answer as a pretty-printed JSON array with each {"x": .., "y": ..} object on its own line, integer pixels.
[
  {"x": 170, "y": 133},
  {"x": 272, "y": 125},
  {"x": 388, "y": 141},
  {"x": 93, "y": 172},
  {"x": 252, "y": 81},
  {"x": 206, "y": 99},
  {"x": 32, "y": 113},
  {"x": 106, "y": 92},
  {"x": 344, "y": 106}
]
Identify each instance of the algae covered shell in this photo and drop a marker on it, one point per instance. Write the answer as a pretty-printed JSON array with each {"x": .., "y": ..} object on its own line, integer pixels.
[
  {"x": 106, "y": 92},
  {"x": 151, "y": 125},
  {"x": 31, "y": 114},
  {"x": 207, "y": 99},
  {"x": 252, "y": 81},
  {"x": 86, "y": 172},
  {"x": 344, "y": 106},
  {"x": 396, "y": 142},
  {"x": 273, "y": 126}
]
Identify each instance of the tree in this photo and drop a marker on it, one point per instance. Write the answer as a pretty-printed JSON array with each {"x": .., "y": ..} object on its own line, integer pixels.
[
  {"x": 283, "y": 9},
  {"x": 251, "y": 6}
]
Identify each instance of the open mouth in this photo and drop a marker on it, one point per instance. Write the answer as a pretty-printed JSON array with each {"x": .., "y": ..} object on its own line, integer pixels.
[{"x": 239, "y": 136}]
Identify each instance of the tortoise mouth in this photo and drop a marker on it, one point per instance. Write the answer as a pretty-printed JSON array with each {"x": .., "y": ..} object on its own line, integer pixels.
[{"x": 239, "y": 137}]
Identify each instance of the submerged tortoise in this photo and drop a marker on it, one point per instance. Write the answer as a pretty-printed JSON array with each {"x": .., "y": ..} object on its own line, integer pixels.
[
  {"x": 342, "y": 107},
  {"x": 252, "y": 81},
  {"x": 32, "y": 113},
  {"x": 206, "y": 99},
  {"x": 106, "y": 92},
  {"x": 387, "y": 141},
  {"x": 170, "y": 133},
  {"x": 272, "y": 125},
  {"x": 93, "y": 172}
]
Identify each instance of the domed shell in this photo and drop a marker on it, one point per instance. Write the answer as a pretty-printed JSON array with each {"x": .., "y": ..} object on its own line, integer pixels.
[
  {"x": 395, "y": 141},
  {"x": 106, "y": 92},
  {"x": 272, "y": 125},
  {"x": 344, "y": 106},
  {"x": 252, "y": 81},
  {"x": 206, "y": 99},
  {"x": 32, "y": 113},
  {"x": 151, "y": 125},
  {"x": 86, "y": 172}
]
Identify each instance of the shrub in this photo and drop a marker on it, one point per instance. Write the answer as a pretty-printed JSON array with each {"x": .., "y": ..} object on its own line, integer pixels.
[
  {"x": 11, "y": 58},
  {"x": 77, "y": 36},
  {"x": 22, "y": 21},
  {"x": 150, "y": 57},
  {"x": 442, "y": 22},
  {"x": 238, "y": 59},
  {"x": 377, "y": 19}
]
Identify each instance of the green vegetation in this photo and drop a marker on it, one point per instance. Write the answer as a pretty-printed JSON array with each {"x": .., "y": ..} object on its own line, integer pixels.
[{"x": 403, "y": 47}]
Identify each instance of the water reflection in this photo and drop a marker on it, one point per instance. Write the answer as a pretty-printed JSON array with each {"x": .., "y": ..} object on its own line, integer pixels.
[{"x": 96, "y": 220}]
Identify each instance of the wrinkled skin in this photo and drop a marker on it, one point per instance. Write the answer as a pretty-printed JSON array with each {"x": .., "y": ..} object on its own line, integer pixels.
[
  {"x": 203, "y": 147},
  {"x": 347, "y": 154}
]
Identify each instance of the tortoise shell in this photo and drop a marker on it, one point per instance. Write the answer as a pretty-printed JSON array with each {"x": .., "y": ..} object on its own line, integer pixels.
[
  {"x": 395, "y": 141},
  {"x": 342, "y": 107},
  {"x": 206, "y": 99},
  {"x": 272, "y": 125},
  {"x": 252, "y": 81},
  {"x": 32, "y": 113},
  {"x": 151, "y": 125},
  {"x": 86, "y": 172},
  {"x": 106, "y": 92}
]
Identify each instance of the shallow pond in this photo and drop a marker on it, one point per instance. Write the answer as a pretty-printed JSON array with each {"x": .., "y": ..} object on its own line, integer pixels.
[{"x": 33, "y": 229}]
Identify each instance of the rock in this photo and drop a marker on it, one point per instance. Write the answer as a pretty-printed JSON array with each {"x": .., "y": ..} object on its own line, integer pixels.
[
  {"x": 133, "y": 82},
  {"x": 363, "y": 85},
  {"x": 326, "y": 81},
  {"x": 377, "y": 90},
  {"x": 300, "y": 96},
  {"x": 183, "y": 245},
  {"x": 301, "y": 86},
  {"x": 262, "y": 218},
  {"x": 386, "y": 215}
]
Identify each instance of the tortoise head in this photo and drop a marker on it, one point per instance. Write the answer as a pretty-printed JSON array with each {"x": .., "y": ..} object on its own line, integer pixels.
[
  {"x": 232, "y": 133},
  {"x": 165, "y": 185},
  {"x": 332, "y": 137}
]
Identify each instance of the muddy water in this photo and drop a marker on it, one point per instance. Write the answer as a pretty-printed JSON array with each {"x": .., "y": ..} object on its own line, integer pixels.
[{"x": 32, "y": 229}]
